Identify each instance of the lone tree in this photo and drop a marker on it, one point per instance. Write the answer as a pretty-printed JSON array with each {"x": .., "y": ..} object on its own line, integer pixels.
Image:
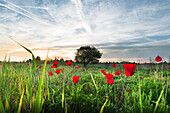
[{"x": 87, "y": 54}]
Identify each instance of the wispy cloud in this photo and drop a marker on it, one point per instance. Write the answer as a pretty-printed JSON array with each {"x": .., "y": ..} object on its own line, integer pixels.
[{"x": 117, "y": 28}]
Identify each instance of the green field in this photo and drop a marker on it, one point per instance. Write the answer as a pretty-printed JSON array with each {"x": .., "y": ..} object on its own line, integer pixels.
[{"x": 27, "y": 89}]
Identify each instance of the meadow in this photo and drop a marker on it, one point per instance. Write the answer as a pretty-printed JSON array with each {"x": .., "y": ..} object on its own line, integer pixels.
[
  {"x": 26, "y": 89},
  {"x": 56, "y": 87}
]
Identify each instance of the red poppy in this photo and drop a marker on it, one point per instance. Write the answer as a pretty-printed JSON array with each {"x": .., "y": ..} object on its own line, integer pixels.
[
  {"x": 39, "y": 67},
  {"x": 0, "y": 64},
  {"x": 79, "y": 66},
  {"x": 158, "y": 59},
  {"x": 62, "y": 69},
  {"x": 57, "y": 71},
  {"x": 113, "y": 65},
  {"x": 53, "y": 66},
  {"x": 102, "y": 71},
  {"x": 109, "y": 76},
  {"x": 128, "y": 91},
  {"x": 55, "y": 63},
  {"x": 129, "y": 69},
  {"x": 118, "y": 72},
  {"x": 169, "y": 68},
  {"x": 86, "y": 68},
  {"x": 110, "y": 81},
  {"x": 75, "y": 79},
  {"x": 116, "y": 99},
  {"x": 76, "y": 67},
  {"x": 83, "y": 69},
  {"x": 68, "y": 63},
  {"x": 50, "y": 73},
  {"x": 129, "y": 99},
  {"x": 27, "y": 64}
]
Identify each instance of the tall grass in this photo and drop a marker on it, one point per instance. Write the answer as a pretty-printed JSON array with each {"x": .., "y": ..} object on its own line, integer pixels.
[{"x": 22, "y": 91}]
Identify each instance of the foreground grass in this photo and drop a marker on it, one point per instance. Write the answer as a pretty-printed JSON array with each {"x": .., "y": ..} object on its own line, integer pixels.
[{"x": 20, "y": 90}]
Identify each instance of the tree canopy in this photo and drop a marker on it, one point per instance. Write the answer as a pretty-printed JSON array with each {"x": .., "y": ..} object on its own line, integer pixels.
[{"x": 87, "y": 54}]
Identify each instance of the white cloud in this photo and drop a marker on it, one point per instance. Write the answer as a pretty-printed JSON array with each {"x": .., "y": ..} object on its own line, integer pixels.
[{"x": 82, "y": 22}]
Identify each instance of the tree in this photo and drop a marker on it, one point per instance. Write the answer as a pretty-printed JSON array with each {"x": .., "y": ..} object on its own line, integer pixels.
[{"x": 87, "y": 54}]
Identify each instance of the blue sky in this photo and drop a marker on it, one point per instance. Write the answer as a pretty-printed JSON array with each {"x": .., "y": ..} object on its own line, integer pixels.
[{"x": 126, "y": 29}]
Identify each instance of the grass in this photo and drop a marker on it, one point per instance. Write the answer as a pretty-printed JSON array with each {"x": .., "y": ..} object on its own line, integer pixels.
[
  {"x": 21, "y": 90},
  {"x": 30, "y": 89}
]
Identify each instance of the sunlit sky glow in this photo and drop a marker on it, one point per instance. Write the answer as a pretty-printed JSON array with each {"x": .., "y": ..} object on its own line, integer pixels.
[{"x": 120, "y": 29}]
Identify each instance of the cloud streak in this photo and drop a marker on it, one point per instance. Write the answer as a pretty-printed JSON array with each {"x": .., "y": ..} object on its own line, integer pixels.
[{"x": 117, "y": 28}]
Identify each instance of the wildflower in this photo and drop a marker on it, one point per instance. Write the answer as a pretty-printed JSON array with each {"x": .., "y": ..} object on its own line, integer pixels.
[
  {"x": 109, "y": 76},
  {"x": 55, "y": 63},
  {"x": 158, "y": 59},
  {"x": 53, "y": 66},
  {"x": 129, "y": 69},
  {"x": 102, "y": 71},
  {"x": 75, "y": 79},
  {"x": 62, "y": 69},
  {"x": 83, "y": 69},
  {"x": 113, "y": 65},
  {"x": 68, "y": 63},
  {"x": 110, "y": 81},
  {"x": 39, "y": 67},
  {"x": 50, "y": 73},
  {"x": 116, "y": 99},
  {"x": 169, "y": 68},
  {"x": 86, "y": 68},
  {"x": 128, "y": 91},
  {"x": 57, "y": 71},
  {"x": 27, "y": 64},
  {"x": 0, "y": 64},
  {"x": 118, "y": 72}
]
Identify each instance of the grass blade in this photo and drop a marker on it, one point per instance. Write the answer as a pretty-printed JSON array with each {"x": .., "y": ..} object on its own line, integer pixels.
[
  {"x": 157, "y": 102},
  {"x": 34, "y": 60},
  {"x": 101, "y": 110},
  {"x": 20, "y": 103},
  {"x": 2, "y": 107}
]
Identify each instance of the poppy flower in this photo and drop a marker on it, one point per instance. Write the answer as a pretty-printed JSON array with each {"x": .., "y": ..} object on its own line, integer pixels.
[
  {"x": 68, "y": 63},
  {"x": 50, "y": 73},
  {"x": 27, "y": 64},
  {"x": 53, "y": 66},
  {"x": 128, "y": 91},
  {"x": 86, "y": 68},
  {"x": 76, "y": 67},
  {"x": 79, "y": 66},
  {"x": 109, "y": 76},
  {"x": 118, "y": 72},
  {"x": 129, "y": 69},
  {"x": 169, "y": 68},
  {"x": 102, "y": 71},
  {"x": 83, "y": 69},
  {"x": 0, "y": 64},
  {"x": 75, "y": 79},
  {"x": 57, "y": 71},
  {"x": 158, "y": 59},
  {"x": 55, "y": 63},
  {"x": 116, "y": 99},
  {"x": 110, "y": 81},
  {"x": 62, "y": 69},
  {"x": 39, "y": 67},
  {"x": 113, "y": 65},
  {"x": 129, "y": 99}
]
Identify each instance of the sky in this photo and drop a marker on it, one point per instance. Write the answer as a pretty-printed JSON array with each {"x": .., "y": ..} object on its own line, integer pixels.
[{"x": 133, "y": 30}]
